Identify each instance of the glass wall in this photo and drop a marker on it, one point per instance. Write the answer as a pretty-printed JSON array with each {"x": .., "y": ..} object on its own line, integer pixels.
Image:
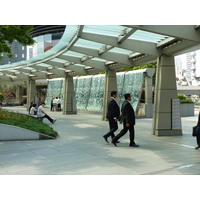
[
  {"x": 89, "y": 90},
  {"x": 129, "y": 82},
  {"x": 55, "y": 88}
]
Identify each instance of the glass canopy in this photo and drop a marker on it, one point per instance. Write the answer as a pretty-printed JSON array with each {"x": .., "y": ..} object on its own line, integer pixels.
[{"x": 94, "y": 46}]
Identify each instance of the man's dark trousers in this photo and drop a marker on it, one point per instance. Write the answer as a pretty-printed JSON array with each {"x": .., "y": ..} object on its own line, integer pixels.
[
  {"x": 113, "y": 127},
  {"x": 124, "y": 131}
]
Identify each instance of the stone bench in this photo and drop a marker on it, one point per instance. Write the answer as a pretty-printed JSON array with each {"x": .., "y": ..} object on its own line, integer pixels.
[{"x": 36, "y": 117}]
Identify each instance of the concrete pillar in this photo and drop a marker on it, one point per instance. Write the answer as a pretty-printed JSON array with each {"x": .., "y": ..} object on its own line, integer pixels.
[
  {"x": 165, "y": 91},
  {"x": 148, "y": 90},
  {"x": 69, "y": 104},
  {"x": 110, "y": 84},
  {"x": 19, "y": 93},
  {"x": 31, "y": 92}
]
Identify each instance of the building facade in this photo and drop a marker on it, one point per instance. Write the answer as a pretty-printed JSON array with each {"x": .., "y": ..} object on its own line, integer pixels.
[
  {"x": 46, "y": 36},
  {"x": 19, "y": 54}
]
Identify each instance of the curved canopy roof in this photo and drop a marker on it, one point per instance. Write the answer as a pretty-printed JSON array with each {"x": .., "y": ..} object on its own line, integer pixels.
[{"x": 89, "y": 49}]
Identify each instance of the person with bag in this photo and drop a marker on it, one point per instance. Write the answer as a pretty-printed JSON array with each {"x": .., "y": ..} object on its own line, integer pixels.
[
  {"x": 128, "y": 119},
  {"x": 197, "y": 133}
]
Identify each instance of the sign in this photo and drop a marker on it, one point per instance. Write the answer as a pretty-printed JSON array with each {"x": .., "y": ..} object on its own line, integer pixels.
[{"x": 176, "y": 114}]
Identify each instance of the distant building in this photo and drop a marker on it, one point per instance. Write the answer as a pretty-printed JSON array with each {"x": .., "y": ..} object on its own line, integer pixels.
[
  {"x": 188, "y": 69},
  {"x": 19, "y": 53},
  {"x": 46, "y": 36}
]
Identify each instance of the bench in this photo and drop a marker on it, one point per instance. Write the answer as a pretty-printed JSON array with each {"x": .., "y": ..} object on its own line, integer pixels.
[
  {"x": 40, "y": 118},
  {"x": 36, "y": 117}
]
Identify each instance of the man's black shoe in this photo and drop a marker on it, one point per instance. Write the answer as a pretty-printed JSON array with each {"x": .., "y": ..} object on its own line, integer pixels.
[
  {"x": 133, "y": 145},
  {"x": 114, "y": 143},
  {"x": 106, "y": 138}
]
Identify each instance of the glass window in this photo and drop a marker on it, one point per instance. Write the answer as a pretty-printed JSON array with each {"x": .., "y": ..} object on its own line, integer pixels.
[
  {"x": 146, "y": 36},
  {"x": 16, "y": 55},
  {"x": 88, "y": 44},
  {"x": 23, "y": 55},
  {"x": 47, "y": 38},
  {"x": 120, "y": 50},
  {"x": 112, "y": 30},
  {"x": 22, "y": 47},
  {"x": 40, "y": 50},
  {"x": 40, "y": 38},
  {"x": 56, "y": 36}
]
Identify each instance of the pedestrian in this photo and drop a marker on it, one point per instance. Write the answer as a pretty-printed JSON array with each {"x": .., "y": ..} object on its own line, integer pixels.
[
  {"x": 59, "y": 104},
  {"x": 41, "y": 113},
  {"x": 51, "y": 104},
  {"x": 112, "y": 115},
  {"x": 55, "y": 102},
  {"x": 128, "y": 119},
  {"x": 198, "y": 135},
  {"x": 33, "y": 110}
]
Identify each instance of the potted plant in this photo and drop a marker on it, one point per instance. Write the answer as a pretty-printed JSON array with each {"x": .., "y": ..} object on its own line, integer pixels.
[{"x": 186, "y": 106}]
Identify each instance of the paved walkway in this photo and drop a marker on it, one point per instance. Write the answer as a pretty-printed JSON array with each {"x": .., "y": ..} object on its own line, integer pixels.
[{"x": 81, "y": 150}]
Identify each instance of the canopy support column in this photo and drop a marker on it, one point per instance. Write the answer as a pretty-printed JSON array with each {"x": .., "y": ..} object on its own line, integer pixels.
[
  {"x": 148, "y": 95},
  {"x": 69, "y": 104},
  {"x": 165, "y": 91},
  {"x": 19, "y": 93},
  {"x": 31, "y": 92},
  {"x": 110, "y": 84},
  {"x": 148, "y": 90}
]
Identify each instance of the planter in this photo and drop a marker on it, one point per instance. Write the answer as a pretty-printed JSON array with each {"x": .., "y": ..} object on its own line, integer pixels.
[
  {"x": 187, "y": 109},
  {"x": 16, "y": 133}
]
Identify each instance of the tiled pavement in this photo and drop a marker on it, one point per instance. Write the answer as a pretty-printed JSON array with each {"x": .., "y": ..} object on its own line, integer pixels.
[{"x": 81, "y": 150}]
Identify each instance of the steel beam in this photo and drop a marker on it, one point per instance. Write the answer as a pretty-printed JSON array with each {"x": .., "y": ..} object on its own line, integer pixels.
[
  {"x": 128, "y": 44},
  {"x": 91, "y": 63},
  {"x": 126, "y": 33},
  {"x": 109, "y": 56},
  {"x": 186, "y": 32}
]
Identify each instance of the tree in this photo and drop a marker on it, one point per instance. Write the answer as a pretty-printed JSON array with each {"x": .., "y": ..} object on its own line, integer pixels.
[{"x": 10, "y": 33}]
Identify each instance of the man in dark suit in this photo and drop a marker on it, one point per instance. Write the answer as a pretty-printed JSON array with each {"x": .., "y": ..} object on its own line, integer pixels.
[
  {"x": 113, "y": 114},
  {"x": 128, "y": 119}
]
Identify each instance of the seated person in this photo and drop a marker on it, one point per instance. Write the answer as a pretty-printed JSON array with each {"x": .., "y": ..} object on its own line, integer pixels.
[
  {"x": 33, "y": 109},
  {"x": 41, "y": 113}
]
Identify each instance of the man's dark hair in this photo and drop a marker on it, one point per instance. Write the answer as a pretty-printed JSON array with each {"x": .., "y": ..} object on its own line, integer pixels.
[
  {"x": 113, "y": 93},
  {"x": 126, "y": 96}
]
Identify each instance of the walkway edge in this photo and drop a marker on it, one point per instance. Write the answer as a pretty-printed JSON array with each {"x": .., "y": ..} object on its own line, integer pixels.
[{"x": 8, "y": 132}]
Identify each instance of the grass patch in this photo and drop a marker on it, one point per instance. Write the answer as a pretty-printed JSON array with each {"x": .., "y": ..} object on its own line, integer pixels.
[{"x": 27, "y": 122}]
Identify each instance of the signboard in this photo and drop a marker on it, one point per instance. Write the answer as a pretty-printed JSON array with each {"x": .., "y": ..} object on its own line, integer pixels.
[{"x": 176, "y": 114}]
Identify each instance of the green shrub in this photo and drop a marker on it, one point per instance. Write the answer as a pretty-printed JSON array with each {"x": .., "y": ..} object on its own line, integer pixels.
[
  {"x": 183, "y": 99},
  {"x": 27, "y": 122},
  {"x": 1, "y": 96},
  {"x": 186, "y": 101}
]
